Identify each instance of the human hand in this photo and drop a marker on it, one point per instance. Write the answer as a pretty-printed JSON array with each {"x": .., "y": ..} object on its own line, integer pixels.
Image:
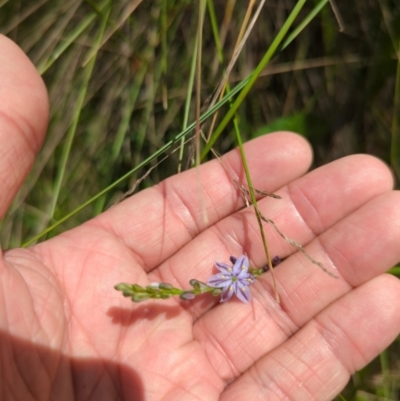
[{"x": 66, "y": 334}]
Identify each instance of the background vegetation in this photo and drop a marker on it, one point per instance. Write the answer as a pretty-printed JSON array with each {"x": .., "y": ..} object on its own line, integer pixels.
[{"x": 118, "y": 73}]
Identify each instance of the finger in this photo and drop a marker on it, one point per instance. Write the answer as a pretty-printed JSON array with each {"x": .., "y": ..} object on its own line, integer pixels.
[
  {"x": 354, "y": 246},
  {"x": 359, "y": 248},
  {"x": 340, "y": 187},
  {"x": 23, "y": 118},
  {"x": 157, "y": 222},
  {"x": 317, "y": 362}
]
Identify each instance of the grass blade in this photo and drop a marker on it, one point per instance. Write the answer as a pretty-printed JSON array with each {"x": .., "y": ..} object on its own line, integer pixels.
[{"x": 72, "y": 130}]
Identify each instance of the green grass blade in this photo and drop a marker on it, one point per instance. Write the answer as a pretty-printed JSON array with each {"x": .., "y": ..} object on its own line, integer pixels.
[
  {"x": 313, "y": 13},
  {"x": 164, "y": 32},
  {"x": 72, "y": 130},
  {"x": 214, "y": 27},
  {"x": 395, "y": 271},
  {"x": 188, "y": 101},
  {"x": 72, "y": 37},
  {"x": 395, "y": 140},
  {"x": 128, "y": 108},
  {"x": 385, "y": 386}
]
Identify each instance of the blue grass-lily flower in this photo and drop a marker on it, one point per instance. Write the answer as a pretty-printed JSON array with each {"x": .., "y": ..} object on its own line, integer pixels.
[{"x": 233, "y": 279}]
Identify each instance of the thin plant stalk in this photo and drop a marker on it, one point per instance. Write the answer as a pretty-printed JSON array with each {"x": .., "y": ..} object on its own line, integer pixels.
[
  {"x": 188, "y": 101},
  {"x": 244, "y": 160},
  {"x": 236, "y": 52},
  {"x": 258, "y": 214}
]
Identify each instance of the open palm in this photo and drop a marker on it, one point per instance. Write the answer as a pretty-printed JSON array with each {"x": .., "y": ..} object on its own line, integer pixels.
[{"x": 66, "y": 334}]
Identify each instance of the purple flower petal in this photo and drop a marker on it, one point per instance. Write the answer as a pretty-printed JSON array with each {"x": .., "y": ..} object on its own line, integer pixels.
[
  {"x": 219, "y": 280},
  {"x": 243, "y": 293},
  {"x": 243, "y": 275},
  {"x": 224, "y": 268},
  {"x": 246, "y": 279},
  {"x": 242, "y": 263},
  {"x": 227, "y": 293}
]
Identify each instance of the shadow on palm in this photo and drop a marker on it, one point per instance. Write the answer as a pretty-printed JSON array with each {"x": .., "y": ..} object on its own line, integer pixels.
[{"x": 65, "y": 377}]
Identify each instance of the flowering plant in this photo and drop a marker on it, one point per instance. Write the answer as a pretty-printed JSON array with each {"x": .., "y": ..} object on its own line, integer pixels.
[{"x": 231, "y": 279}]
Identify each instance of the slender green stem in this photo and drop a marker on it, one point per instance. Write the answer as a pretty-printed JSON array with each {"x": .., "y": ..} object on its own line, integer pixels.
[
  {"x": 384, "y": 360},
  {"x": 258, "y": 215},
  {"x": 248, "y": 176},
  {"x": 165, "y": 290}
]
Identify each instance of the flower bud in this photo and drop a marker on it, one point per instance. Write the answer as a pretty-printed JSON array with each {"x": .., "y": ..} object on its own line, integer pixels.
[
  {"x": 275, "y": 261},
  {"x": 140, "y": 297},
  {"x": 195, "y": 283},
  {"x": 123, "y": 287},
  {"x": 198, "y": 285},
  {"x": 187, "y": 296},
  {"x": 165, "y": 286}
]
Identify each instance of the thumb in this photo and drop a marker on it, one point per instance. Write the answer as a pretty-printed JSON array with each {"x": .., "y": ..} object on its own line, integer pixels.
[{"x": 23, "y": 119}]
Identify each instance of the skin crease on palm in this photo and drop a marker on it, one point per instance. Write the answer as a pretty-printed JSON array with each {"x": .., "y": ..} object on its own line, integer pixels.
[{"x": 66, "y": 334}]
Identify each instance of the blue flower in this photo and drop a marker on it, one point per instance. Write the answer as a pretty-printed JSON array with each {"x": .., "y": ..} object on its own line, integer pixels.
[{"x": 233, "y": 279}]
